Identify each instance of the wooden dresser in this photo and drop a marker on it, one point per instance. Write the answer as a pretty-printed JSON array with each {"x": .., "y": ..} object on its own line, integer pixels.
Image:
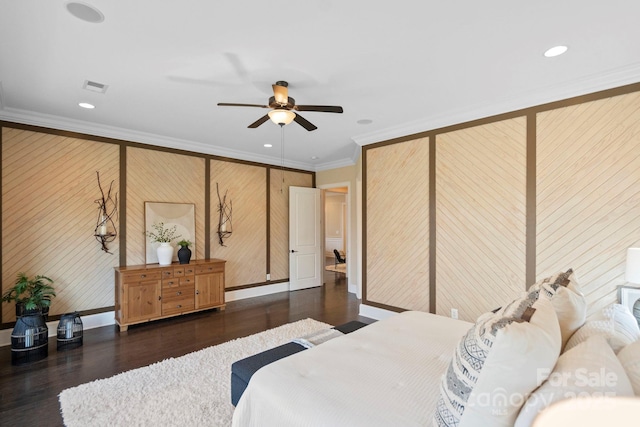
[{"x": 149, "y": 292}]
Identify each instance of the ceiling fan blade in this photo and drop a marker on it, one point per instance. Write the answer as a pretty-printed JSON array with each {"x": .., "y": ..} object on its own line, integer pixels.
[
  {"x": 258, "y": 122},
  {"x": 280, "y": 93},
  {"x": 230, "y": 104},
  {"x": 304, "y": 123},
  {"x": 322, "y": 108}
]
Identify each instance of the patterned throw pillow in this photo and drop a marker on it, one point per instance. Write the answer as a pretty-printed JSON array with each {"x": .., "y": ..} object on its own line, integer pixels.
[
  {"x": 498, "y": 363},
  {"x": 567, "y": 299},
  {"x": 615, "y": 322}
]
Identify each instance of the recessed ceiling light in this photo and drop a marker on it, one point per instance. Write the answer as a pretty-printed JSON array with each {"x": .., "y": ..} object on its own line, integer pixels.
[
  {"x": 268, "y": 145},
  {"x": 364, "y": 122},
  {"x": 86, "y": 105},
  {"x": 85, "y": 12},
  {"x": 555, "y": 51},
  {"x": 314, "y": 157}
]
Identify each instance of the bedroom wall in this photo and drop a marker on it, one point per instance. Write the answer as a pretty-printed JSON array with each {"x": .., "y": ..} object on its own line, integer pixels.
[
  {"x": 246, "y": 187},
  {"x": 480, "y": 216},
  {"x": 397, "y": 225},
  {"x": 48, "y": 212},
  {"x": 516, "y": 197}
]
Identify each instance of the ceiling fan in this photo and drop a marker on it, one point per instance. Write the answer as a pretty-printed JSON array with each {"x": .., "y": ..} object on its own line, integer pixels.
[{"x": 283, "y": 108}]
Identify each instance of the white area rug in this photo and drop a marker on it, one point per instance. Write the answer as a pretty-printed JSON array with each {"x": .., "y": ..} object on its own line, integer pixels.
[{"x": 190, "y": 390}]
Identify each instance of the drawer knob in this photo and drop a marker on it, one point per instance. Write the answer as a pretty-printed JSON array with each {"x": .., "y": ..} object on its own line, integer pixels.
[
  {"x": 179, "y": 305},
  {"x": 179, "y": 293},
  {"x": 143, "y": 276}
]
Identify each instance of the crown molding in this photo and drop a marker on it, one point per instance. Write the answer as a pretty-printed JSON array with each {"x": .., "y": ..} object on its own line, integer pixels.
[
  {"x": 56, "y": 122},
  {"x": 525, "y": 99}
]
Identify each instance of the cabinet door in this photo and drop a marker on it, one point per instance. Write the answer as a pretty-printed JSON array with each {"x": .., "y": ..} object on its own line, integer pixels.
[
  {"x": 141, "y": 301},
  {"x": 209, "y": 290}
]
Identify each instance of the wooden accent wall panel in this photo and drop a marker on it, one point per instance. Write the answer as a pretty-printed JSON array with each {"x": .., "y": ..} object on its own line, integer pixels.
[
  {"x": 279, "y": 218},
  {"x": 588, "y": 197},
  {"x": 157, "y": 176},
  {"x": 246, "y": 248},
  {"x": 480, "y": 217},
  {"x": 398, "y": 225},
  {"x": 49, "y": 187}
]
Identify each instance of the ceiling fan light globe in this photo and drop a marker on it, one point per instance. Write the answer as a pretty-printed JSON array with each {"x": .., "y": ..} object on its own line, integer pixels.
[{"x": 282, "y": 117}]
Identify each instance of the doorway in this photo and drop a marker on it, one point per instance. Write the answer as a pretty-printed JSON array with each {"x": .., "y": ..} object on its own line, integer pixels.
[{"x": 336, "y": 232}]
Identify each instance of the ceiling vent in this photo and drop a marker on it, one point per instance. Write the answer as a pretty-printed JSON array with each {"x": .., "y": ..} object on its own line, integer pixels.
[{"x": 94, "y": 86}]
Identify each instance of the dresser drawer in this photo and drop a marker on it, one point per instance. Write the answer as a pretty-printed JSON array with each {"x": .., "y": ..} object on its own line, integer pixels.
[
  {"x": 139, "y": 276},
  {"x": 175, "y": 306},
  {"x": 188, "y": 281},
  {"x": 189, "y": 271},
  {"x": 167, "y": 273},
  {"x": 209, "y": 268},
  {"x": 170, "y": 283},
  {"x": 181, "y": 291}
]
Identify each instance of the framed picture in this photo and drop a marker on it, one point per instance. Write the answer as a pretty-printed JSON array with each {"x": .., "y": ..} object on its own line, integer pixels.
[{"x": 180, "y": 215}]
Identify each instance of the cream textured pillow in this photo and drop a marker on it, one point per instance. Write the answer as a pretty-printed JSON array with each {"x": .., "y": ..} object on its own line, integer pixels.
[
  {"x": 497, "y": 363},
  {"x": 630, "y": 359},
  {"x": 567, "y": 299},
  {"x": 590, "y": 369},
  {"x": 615, "y": 322}
]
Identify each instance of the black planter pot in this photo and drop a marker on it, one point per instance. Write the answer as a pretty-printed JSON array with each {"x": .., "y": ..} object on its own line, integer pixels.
[
  {"x": 184, "y": 255},
  {"x": 21, "y": 311}
]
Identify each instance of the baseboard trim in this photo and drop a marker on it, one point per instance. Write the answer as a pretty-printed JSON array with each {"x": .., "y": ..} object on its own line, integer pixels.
[
  {"x": 256, "y": 292},
  {"x": 375, "y": 312}
]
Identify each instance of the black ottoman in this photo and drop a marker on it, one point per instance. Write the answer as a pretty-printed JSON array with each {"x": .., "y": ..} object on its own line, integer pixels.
[{"x": 243, "y": 370}]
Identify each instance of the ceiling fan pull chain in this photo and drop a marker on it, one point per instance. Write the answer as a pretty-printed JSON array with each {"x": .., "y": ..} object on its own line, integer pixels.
[{"x": 282, "y": 155}]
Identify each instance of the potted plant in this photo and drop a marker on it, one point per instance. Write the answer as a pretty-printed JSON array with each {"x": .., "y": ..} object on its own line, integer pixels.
[
  {"x": 184, "y": 253},
  {"x": 31, "y": 295},
  {"x": 164, "y": 236}
]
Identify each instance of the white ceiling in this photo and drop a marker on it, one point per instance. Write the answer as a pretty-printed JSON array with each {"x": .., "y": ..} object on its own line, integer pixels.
[{"x": 408, "y": 66}]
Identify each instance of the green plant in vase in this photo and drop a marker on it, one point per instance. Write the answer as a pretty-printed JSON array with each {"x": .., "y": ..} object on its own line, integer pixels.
[
  {"x": 31, "y": 295},
  {"x": 164, "y": 236}
]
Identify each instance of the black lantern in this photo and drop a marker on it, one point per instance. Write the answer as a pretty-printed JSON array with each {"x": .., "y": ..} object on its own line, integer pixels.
[
  {"x": 29, "y": 339},
  {"x": 69, "y": 331}
]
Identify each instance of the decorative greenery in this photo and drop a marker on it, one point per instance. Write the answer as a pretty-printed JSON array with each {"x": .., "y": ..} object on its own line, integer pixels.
[
  {"x": 184, "y": 243},
  {"x": 162, "y": 235},
  {"x": 34, "y": 293}
]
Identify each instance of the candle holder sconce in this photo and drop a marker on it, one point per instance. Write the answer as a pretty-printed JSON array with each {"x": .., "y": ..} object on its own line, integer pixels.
[
  {"x": 105, "y": 231},
  {"x": 224, "y": 217}
]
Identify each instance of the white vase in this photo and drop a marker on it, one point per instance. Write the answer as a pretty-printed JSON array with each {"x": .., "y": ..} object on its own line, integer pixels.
[{"x": 165, "y": 253}]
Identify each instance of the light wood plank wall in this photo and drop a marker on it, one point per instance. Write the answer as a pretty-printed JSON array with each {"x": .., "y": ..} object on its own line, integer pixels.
[
  {"x": 246, "y": 248},
  {"x": 481, "y": 217},
  {"x": 157, "y": 176},
  {"x": 49, "y": 216},
  {"x": 48, "y": 212},
  {"x": 588, "y": 185},
  {"x": 279, "y": 184},
  {"x": 581, "y": 211},
  {"x": 398, "y": 225}
]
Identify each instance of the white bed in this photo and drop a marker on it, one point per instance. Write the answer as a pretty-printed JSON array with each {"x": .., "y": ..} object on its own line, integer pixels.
[{"x": 386, "y": 374}]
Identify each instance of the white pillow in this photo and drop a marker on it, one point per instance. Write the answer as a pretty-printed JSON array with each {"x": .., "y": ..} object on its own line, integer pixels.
[
  {"x": 615, "y": 322},
  {"x": 567, "y": 299},
  {"x": 630, "y": 359},
  {"x": 590, "y": 369},
  {"x": 498, "y": 358}
]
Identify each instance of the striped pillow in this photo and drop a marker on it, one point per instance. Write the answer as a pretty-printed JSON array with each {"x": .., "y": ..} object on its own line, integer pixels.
[
  {"x": 567, "y": 299},
  {"x": 498, "y": 363}
]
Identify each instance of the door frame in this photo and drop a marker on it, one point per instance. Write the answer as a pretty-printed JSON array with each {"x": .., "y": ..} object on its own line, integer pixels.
[{"x": 351, "y": 254}]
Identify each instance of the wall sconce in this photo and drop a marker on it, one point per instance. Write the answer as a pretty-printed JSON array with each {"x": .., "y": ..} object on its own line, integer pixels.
[
  {"x": 105, "y": 231},
  {"x": 224, "y": 217}
]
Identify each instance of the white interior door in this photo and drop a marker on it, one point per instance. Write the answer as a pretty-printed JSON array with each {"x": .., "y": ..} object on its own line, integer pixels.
[{"x": 305, "y": 238}]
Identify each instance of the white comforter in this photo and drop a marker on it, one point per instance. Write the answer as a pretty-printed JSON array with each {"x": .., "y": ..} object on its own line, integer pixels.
[{"x": 386, "y": 374}]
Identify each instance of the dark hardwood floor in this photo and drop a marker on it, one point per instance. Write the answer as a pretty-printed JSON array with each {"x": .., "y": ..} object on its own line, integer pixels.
[{"x": 29, "y": 393}]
